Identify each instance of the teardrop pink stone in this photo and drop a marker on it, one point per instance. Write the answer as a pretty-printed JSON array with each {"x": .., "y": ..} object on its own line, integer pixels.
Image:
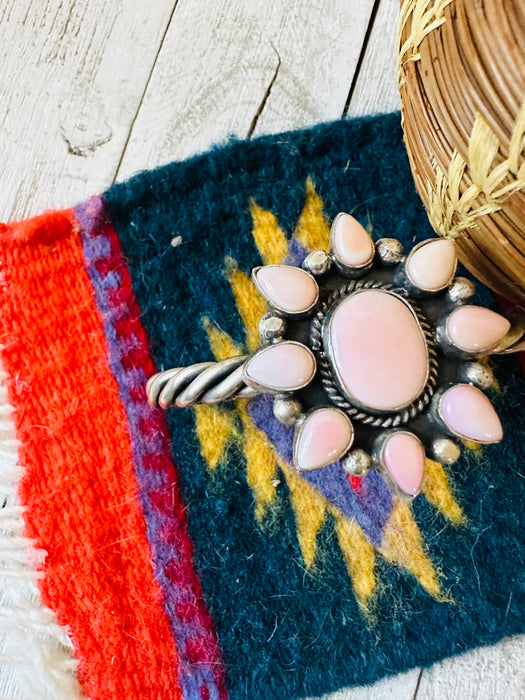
[
  {"x": 476, "y": 329},
  {"x": 288, "y": 288},
  {"x": 351, "y": 243},
  {"x": 282, "y": 367},
  {"x": 404, "y": 458},
  {"x": 324, "y": 437},
  {"x": 469, "y": 413},
  {"x": 432, "y": 265}
]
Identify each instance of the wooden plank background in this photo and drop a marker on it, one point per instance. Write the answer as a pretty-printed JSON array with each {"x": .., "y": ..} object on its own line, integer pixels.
[{"x": 91, "y": 92}]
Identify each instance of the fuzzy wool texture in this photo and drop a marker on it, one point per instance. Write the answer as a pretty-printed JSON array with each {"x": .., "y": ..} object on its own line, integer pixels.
[
  {"x": 286, "y": 629},
  {"x": 36, "y": 656},
  {"x": 78, "y": 486}
]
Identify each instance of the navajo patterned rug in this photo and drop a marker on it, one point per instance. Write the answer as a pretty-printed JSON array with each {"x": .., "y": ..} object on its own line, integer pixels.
[{"x": 180, "y": 551}]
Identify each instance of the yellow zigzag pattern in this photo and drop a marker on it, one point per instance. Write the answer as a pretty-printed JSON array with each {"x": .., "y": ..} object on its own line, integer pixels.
[{"x": 217, "y": 426}]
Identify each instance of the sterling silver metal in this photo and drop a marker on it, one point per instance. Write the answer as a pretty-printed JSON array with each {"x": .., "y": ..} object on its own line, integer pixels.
[
  {"x": 286, "y": 410},
  {"x": 337, "y": 395},
  {"x": 445, "y": 450},
  {"x": 478, "y": 374},
  {"x": 461, "y": 290},
  {"x": 357, "y": 463},
  {"x": 271, "y": 327},
  {"x": 205, "y": 382},
  {"x": 447, "y": 364},
  {"x": 317, "y": 263},
  {"x": 389, "y": 251}
]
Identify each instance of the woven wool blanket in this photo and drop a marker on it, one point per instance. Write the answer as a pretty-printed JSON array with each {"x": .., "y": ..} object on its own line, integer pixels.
[{"x": 179, "y": 555}]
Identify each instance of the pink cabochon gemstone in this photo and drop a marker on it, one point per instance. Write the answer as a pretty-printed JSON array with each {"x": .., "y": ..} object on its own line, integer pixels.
[
  {"x": 379, "y": 351},
  {"x": 431, "y": 267},
  {"x": 351, "y": 244},
  {"x": 323, "y": 438},
  {"x": 288, "y": 288},
  {"x": 476, "y": 329},
  {"x": 468, "y": 412},
  {"x": 404, "y": 458},
  {"x": 282, "y": 367}
]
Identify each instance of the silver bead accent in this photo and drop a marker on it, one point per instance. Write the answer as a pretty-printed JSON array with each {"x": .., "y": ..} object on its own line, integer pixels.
[
  {"x": 317, "y": 263},
  {"x": 461, "y": 289},
  {"x": 389, "y": 251},
  {"x": 357, "y": 463},
  {"x": 287, "y": 411},
  {"x": 271, "y": 327},
  {"x": 478, "y": 374},
  {"x": 445, "y": 451}
]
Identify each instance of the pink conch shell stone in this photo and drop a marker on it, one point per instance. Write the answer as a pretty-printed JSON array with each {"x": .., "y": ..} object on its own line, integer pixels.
[
  {"x": 468, "y": 412},
  {"x": 432, "y": 266},
  {"x": 282, "y": 367},
  {"x": 379, "y": 351},
  {"x": 351, "y": 244},
  {"x": 476, "y": 329},
  {"x": 404, "y": 458},
  {"x": 324, "y": 437},
  {"x": 288, "y": 288}
]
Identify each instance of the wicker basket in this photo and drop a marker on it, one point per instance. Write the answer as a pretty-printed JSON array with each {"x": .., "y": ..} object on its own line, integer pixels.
[{"x": 462, "y": 82}]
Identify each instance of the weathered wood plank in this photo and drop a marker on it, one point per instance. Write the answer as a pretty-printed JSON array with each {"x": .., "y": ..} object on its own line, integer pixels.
[
  {"x": 489, "y": 673},
  {"x": 220, "y": 65},
  {"x": 401, "y": 687},
  {"x": 375, "y": 89},
  {"x": 72, "y": 78}
]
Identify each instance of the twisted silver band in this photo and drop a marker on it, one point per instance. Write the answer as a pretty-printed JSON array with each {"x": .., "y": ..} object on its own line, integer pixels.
[{"x": 204, "y": 382}]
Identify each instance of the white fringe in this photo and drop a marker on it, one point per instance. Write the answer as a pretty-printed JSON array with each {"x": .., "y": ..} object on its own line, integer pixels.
[{"x": 36, "y": 657}]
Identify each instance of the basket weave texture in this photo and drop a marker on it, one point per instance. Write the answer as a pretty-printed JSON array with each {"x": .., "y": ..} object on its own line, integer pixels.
[{"x": 462, "y": 83}]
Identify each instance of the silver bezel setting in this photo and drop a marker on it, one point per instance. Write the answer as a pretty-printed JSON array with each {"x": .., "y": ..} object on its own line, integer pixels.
[
  {"x": 413, "y": 289},
  {"x": 378, "y": 456},
  {"x": 293, "y": 320},
  {"x": 273, "y": 389},
  {"x": 300, "y": 425},
  {"x": 350, "y": 271},
  {"x": 304, "y": 312},
  {"x": 436, "y": 413},
  {"x": 328, "y": 373}
]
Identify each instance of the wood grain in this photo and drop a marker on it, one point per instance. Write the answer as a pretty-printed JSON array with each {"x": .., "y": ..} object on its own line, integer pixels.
[
  {"x": 375, "y": 88},
  {"x": 400, "y": 687},
  {"x": 72, "y": 78},
  {"x": 245, "y": 67},
  {"x": 489, "y": 673}
]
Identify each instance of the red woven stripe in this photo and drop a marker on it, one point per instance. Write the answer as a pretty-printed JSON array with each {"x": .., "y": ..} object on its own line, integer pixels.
[{"x": 80, "y": 494}]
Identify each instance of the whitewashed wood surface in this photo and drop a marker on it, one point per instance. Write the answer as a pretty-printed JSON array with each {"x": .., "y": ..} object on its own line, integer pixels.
[{"x": 93, "y": 91}]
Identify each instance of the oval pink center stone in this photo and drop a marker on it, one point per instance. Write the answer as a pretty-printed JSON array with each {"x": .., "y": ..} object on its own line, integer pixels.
[
  {"x": 469, "y": 413},
  {"x": 476, "y": 329},
  {"x": 288, "y": 288},
  {"x": 281, "y": 367},
  {"x": 378, "y": 350},
  {"x": 324, "y": 437},
  {"x": 404, "y": 457}
]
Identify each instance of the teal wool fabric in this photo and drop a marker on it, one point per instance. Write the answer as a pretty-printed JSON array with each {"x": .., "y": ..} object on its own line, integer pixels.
[{"x": 289, "y": 627}]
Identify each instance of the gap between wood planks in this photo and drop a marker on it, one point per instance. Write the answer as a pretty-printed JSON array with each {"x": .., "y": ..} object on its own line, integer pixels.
[
  {"x": 418, "y": 683},
  {"x": 139, "y": 126},
  {"x": 146, "y": 85},
  {"x": 364, "y": 47},
  {"x": 265, "y": 96}
]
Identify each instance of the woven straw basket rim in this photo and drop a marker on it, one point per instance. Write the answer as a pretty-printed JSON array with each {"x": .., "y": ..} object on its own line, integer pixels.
[{"x": 462, "y": 83}]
